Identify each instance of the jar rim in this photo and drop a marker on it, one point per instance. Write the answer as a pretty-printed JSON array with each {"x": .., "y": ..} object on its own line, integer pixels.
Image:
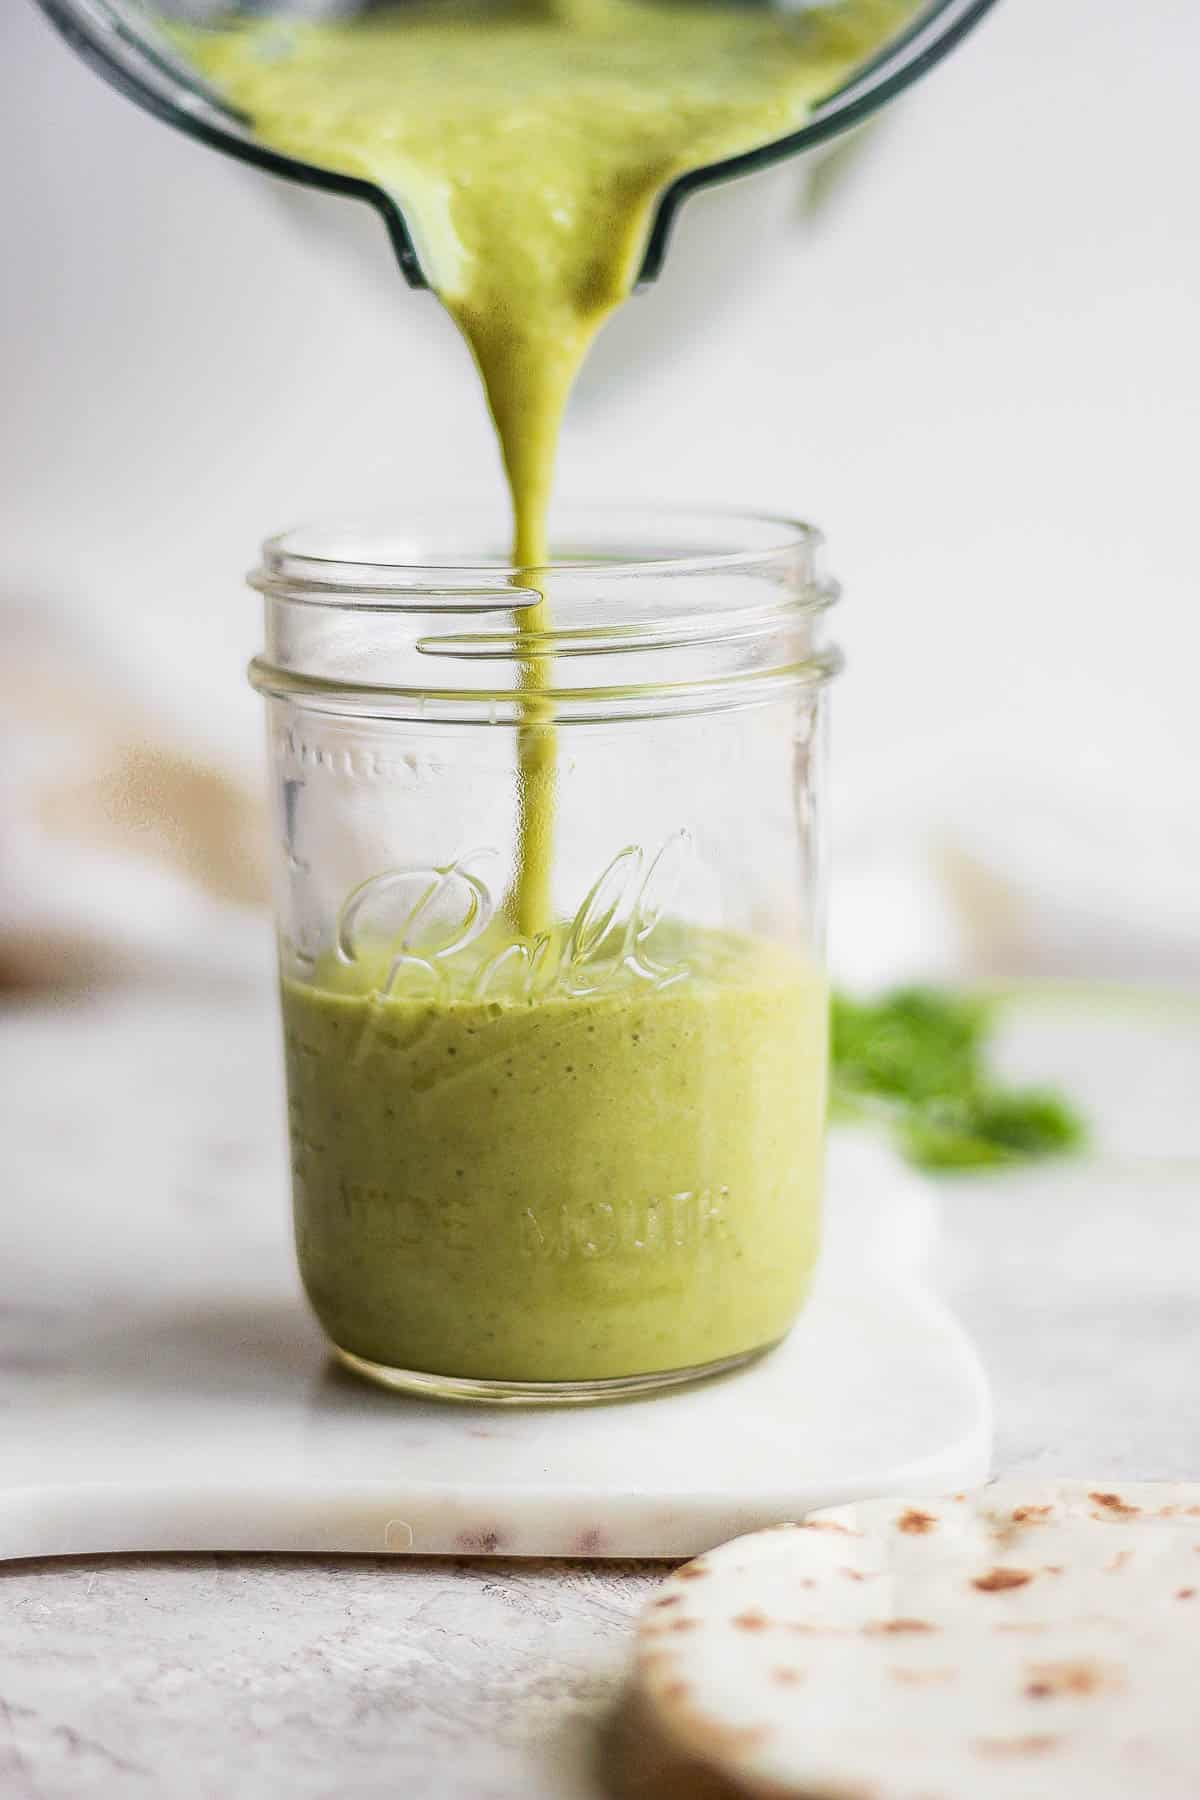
[
  {"x": 658, "y": 608},
  {"x": 380, "y": 561}
]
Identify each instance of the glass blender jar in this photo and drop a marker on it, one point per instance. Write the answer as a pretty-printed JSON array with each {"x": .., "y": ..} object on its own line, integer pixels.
[{"x": 125, "y": 42}]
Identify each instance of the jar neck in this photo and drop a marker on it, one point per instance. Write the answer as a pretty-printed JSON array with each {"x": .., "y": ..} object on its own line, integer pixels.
[{"x": 697, "y": 612}]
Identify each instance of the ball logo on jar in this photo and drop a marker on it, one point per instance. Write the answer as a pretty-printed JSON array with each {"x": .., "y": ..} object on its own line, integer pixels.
[{"x": 433, "y": 929}]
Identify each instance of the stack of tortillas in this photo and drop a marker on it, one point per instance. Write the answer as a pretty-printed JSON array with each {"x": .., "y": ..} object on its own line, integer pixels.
[{"x": 1031, "y": 1642}]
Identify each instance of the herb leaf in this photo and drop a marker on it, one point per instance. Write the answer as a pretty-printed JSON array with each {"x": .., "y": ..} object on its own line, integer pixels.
[{"x": 917, "y": 1058}]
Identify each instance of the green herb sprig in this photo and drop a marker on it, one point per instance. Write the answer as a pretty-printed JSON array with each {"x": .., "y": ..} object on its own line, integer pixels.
[{"x": 917, "y": 1059}]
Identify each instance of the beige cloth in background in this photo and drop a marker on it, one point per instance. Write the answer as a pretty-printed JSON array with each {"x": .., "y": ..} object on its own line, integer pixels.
[{"x": 119, "y": 851}]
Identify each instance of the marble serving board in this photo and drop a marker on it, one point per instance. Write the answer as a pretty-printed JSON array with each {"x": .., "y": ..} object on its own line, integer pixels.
[{"x": 163, "y": 1388}]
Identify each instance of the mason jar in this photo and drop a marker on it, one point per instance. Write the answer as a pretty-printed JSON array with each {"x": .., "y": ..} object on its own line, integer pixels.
[{"x": 549, "y": 881}]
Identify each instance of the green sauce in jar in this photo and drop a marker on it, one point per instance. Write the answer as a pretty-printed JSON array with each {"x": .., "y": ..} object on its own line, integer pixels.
[{"x": 576, "y": 1187}]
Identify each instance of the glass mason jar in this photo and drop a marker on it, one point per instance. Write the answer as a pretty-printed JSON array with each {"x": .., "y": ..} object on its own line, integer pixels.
[{"x": 549, "y": 904}]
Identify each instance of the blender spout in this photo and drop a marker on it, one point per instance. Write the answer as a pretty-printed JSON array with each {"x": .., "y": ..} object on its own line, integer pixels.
[{"x": 122, "y": 42}]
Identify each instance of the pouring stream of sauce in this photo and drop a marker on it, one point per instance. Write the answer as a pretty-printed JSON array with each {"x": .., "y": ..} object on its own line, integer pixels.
[{"x": 528, "y": 144}]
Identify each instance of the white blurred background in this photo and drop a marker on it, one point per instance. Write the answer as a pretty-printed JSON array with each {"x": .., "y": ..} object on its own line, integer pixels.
[{"x": 968, "y": 347}]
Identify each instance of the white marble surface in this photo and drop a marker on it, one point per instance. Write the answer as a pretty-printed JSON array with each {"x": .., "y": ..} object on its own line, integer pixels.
[
  {"x": 257, "y": 1677},
  {"x": 166, "y": 1388}
]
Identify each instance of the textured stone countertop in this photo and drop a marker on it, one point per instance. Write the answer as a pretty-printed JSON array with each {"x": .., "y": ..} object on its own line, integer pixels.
[{"x": 253, "y": 1678}]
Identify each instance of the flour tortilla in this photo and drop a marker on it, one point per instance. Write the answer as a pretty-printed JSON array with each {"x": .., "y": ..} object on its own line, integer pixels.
[{"x": 1030, "y": 1642}]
